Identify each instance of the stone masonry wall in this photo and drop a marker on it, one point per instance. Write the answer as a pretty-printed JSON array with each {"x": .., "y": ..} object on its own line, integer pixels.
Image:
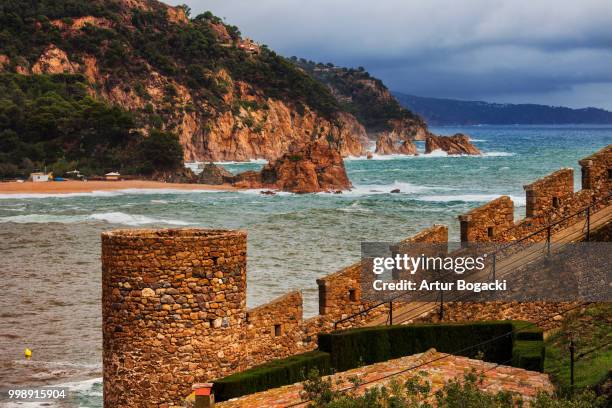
[
  {"x": 173, "y": 310},
  {"x": 597, "y": 170},
  {"x": 482, "y": 224},
  {"x": 274, "y": 330},
  {"x": 548, "y": 194}
]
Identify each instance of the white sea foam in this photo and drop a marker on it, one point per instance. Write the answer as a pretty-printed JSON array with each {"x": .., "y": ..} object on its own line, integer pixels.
[
  {"x": 498, "y": 154},
  {"x": 470, "y": 198},
  {"x": 42, "y": 219},
  {"x": 110, "y": 217},
  {"x": 403, "y": 187},
  {"x": 433, "y": 155},
  {"x": 129, "y": 219},
  {"x": 113, "y": 193}
]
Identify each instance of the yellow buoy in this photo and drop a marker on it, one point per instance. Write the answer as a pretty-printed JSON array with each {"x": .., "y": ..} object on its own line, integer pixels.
[{"x": 28, "y": 353}]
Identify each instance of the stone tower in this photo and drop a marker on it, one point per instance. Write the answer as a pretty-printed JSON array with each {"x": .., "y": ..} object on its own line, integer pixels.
[{"x": 173, "y": 305}]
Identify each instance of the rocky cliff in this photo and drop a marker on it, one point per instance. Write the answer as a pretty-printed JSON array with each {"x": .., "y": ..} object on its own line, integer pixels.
[
  {"x": 226, "y": 98},
  {"x": 457, "y": 144},
  {"x": 371, "y": 102}
]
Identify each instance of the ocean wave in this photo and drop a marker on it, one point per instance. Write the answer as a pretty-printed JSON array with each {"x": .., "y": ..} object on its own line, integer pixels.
[
  {"x": 434, "y": 154},
  {"x": 470, "y": 198},
  {"x": 402, "y": 186},
  {"x": 194, "y": 165},
  {"x": 60, "y": 195},
  {"x": 133, "y": 220},
  {"x": 110, "y": 217},
  {"x": 42, "y": 219},
  {"x": 113, "y": 193}
]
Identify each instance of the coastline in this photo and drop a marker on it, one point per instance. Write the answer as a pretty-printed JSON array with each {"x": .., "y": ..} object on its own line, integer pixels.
[{"x": 74, "y": 186}]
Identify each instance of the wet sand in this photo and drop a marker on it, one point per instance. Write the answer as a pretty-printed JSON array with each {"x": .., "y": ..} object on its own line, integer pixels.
[{"x": 73, "y": 186}]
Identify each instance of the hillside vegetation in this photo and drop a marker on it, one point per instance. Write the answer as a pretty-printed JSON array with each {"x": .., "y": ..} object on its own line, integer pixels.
[
  {"x": 363, "y": 95},
  {"x": 439, "y": 111}
]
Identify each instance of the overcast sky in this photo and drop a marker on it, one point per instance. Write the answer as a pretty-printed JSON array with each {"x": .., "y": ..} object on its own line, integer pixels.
[{"x": 557, "y": 52}]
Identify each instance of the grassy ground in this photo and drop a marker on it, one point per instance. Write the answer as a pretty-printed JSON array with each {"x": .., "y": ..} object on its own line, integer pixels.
[{"x": 591, "y": 329}]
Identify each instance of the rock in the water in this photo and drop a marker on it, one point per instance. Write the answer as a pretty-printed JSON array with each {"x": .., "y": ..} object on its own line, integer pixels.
[
  {"x": 370, "y": 156},
  {"x": 248, "y": 179},
  {"x": 396, "y": 191},
  {"x": 457, "y": 144},
  {"x": 387, "y": 143},
  {"x": 314, "y": 168},
  {"x": 181, "y": 175},
  {"x": 268, "y": 192},
  {"x": 214, "y": 175}
]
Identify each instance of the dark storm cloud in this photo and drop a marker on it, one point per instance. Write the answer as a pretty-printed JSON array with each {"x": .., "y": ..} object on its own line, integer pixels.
[{"x": 556, "y": 52}]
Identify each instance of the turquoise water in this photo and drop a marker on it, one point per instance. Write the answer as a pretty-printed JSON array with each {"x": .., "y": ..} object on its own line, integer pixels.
[{"x": 50, "y": 245}]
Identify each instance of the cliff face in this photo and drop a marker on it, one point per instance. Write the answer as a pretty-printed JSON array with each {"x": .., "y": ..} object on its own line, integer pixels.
[
  {"x": 371, "y": 102},
  {"x": 225, "y": 98}
]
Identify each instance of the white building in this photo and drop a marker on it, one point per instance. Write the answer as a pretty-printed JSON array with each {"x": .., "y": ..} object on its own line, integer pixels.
[
  {"x": 39, "y": 177},
  {"x": 114, "y": 176}
]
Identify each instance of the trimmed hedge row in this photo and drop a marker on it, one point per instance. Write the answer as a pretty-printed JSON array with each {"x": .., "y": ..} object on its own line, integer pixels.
[
  {"x": 275, "y": 373},
  {"x": 346, "y": 349},
  {"x": 529, "y": 354},
  {"x": 368, "y": 345}
]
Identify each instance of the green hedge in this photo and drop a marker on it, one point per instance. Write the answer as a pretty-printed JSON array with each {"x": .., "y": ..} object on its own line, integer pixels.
[
  {"x": 273, "y": 374},
  {"x": 527, "y": 331},
  {"x": 363, "y": 346},
  {"x": 346, "y": 349},
  {"x": 529, "y": 355},
  {"x": 355, "y": 347}
]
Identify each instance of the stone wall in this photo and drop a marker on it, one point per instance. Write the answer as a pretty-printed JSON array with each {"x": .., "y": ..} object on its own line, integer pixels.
[
  {"x": 549, "y": 193},
  {"x": 275, "y": 329},
  {"x": 484, "y": 223},
  {"x": 597, "y": 170},
  {"x": 173, "y": 310}
]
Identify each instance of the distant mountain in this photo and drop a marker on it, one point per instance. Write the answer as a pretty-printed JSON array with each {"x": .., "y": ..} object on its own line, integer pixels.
[{"x": 437, "y": 111}]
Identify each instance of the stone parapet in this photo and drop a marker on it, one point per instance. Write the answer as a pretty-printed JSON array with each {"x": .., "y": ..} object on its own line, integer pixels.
[
  {"x": 597, "y": 170},
  {"x": 549, "y": 193},
  {"x": 485, "y": 223}
]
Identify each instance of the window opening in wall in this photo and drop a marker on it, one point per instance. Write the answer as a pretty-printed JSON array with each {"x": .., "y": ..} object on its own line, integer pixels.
[
  {"x": 277, "y": 330},
  {"x": 352, "y": 295},
  {"x": 609, "y": 174},
  {"x": 490, "y": 232},
  {"x": 556, "y": 202}
]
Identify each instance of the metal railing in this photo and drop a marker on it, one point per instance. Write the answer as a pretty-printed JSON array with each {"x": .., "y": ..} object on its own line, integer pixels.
[{"x": 588, "y": 212}]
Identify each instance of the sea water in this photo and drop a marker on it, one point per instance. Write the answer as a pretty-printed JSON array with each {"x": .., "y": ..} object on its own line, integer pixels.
[{"x": 50, "y": 244}]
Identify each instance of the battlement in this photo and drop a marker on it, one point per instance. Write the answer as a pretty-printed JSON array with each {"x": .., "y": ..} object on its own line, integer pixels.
[
  {"x": 597, "y": 170},
  {"x": 174, "y": 300},
  {"x": 484, "y": 223},
  {"x": 549, "y": 193}
]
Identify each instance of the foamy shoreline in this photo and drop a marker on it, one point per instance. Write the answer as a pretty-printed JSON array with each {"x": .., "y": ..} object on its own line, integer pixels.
[{"x": 73, "y": 186}]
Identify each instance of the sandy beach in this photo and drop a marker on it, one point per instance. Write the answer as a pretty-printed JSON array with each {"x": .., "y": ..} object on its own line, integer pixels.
[{"x": 73, "y": 186}]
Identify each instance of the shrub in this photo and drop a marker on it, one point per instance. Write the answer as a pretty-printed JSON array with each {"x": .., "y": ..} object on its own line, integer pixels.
[
  {"x": 528, "y": 355},
  {"x": 161, "y": 151},
  {"x": 273, "y": 374},
  {"x": 350, "y": 348}
]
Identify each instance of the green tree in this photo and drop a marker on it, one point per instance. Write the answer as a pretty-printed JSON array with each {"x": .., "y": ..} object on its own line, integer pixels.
[{"x": 160, "y": 151}]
